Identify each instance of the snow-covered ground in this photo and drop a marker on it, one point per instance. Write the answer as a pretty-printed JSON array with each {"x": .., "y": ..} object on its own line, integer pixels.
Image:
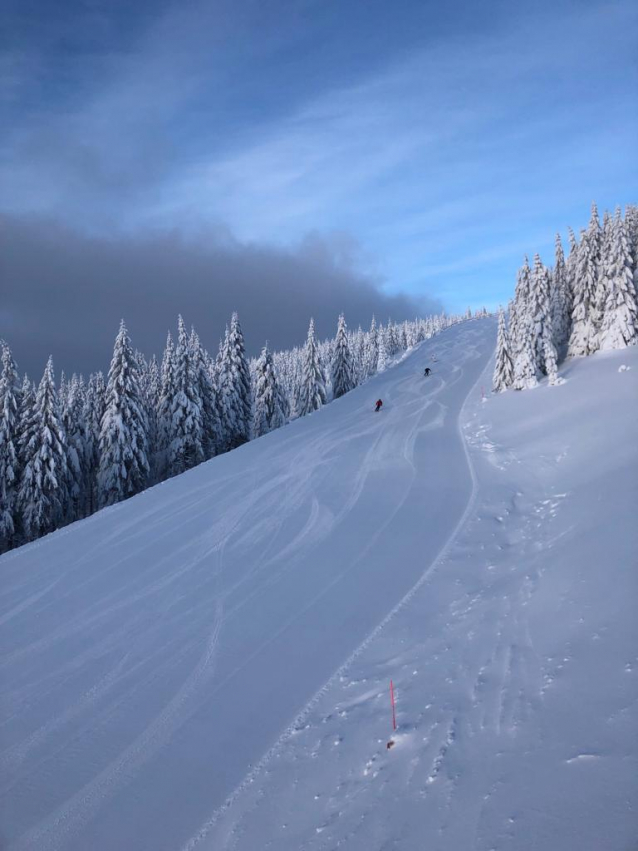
[{"x": 207, "y": 665}]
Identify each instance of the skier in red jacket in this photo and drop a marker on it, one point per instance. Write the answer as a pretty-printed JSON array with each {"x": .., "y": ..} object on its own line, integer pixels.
[{"x": 378, "y": 405}]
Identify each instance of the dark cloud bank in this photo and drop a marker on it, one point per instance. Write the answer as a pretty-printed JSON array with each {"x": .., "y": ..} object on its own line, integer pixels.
[{"x": 63, "y": 292}]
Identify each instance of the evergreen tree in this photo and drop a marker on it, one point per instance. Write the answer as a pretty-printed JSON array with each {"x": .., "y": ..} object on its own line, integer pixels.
[
  {"x": 124, "y": 466},
  {"x": 94, "y": 403},
  {"x": 342, "y": 369},
  {"x": 270, "y": 401},
  {"x": 583, "y": 333},
  {"x": 561, "y": 298},
  {"x": 186, "y": 447},
  {"x": 601, "y": 290},
  {"x": 43, "y": 495},
  {"x": 539, "y": 306},
  {"x": 372, "y": 349},
  {"x": 620, "y": 317},
  {"x": 76, "y": 439},
  {"x": 234, "y": 390},
  {"x": 313, "y": 385},
  {"x": 520, "y": 309},
  {"x": 382, "y": 358},
  {"x": 523, "y": 335},
  {"x": 204, "y": 372},
  {"x": 550, "y": 357},
  {"x": 164, "y": 410},
  {"x": 503, "y": 370},
  {"x": 9, "y": 435}
]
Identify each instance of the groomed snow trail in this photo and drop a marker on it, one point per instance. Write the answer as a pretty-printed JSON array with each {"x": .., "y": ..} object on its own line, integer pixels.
[
  {"x": 514, "y": 660},
  {"x": 156, "y": 651}
]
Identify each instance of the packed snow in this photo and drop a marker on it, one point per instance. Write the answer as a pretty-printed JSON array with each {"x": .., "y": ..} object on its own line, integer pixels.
[{"x": 206, "y": 666}]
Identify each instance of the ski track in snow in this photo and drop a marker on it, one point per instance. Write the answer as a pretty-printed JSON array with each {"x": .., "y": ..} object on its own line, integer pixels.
[
  {"x": 448, "y": 781},
  {"x": 146, "y": 638},
  {"x": 104, "y": 642}
]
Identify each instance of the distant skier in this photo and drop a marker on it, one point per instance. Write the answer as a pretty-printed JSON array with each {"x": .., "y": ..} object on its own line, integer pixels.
[
  {"x": 427, "y": 370},
  {"x": 377, "y": 407}
]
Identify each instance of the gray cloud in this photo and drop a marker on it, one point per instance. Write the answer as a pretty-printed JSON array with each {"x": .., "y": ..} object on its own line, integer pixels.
[{"x": 64, "y": 292}]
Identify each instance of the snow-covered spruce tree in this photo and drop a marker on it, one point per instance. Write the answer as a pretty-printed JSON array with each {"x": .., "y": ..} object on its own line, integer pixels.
[
  {"x": 124, "y": 466},
  {"x": 313, "y": 384},
  {"x": 43, "y": 495},
  {"x": 582, "y": 339},
  {"x": 503, "y": 370},
  {"x": 541, "y": 312},
  {"x": 211, "y": 429},
  {"x": 164, "y": 408},
  {"x": 359, "y": 359},
  {"x": 234, "y": 391},
  {"x": 631, "y": 229},
  {"x": 94, "y": 402},
  {"x": 186, "y": 445},
  {"x": 383, "y": 356},
  {"x": 75, "y": 429},
  {"x": 372, "y": 349},
  {"x": 561, "y": 299},
  {"x": 519, "y": 308},
  {"x": 524, "y": 343},
  {"x": 270, "y": 402},
  {"x": 550, "y": 356},
  {"x": 601, "y": 290},
  {"x": 620, "y": 317},
  {"x": 343, "y": 379},
  {"x": 9, "y": 434},
  {"x": 152, "y": 393}
]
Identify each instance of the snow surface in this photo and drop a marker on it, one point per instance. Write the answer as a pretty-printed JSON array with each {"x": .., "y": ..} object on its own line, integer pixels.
[{"x": 169, "y": 664}]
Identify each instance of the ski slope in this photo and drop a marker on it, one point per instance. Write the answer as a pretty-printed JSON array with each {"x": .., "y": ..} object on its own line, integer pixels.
[
  {"x": 155, "y": 652},
  {"x": 515, "y": 661}
]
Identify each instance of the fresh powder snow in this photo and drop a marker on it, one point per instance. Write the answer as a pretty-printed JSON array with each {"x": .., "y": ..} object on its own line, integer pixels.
[{"x": 206, "y": 666}]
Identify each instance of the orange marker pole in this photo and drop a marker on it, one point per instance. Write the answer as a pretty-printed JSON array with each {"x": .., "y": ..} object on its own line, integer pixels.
[{"x": 394, "y": 719}]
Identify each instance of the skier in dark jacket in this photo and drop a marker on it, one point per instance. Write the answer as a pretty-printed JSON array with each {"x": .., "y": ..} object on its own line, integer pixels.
[
  {"x": 427, "y": 370},
  {"x": 377, "y": 407}
]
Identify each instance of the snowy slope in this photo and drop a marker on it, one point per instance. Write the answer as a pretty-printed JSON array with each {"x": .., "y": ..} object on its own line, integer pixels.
[
  {"x": 154, "y": 652},
  {"x": 515, "y": 660}
]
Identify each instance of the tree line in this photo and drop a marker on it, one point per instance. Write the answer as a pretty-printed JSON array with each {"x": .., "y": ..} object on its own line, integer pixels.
[
  {"x": 69, "y": 449},
  {"x": 584, "y": 304}
]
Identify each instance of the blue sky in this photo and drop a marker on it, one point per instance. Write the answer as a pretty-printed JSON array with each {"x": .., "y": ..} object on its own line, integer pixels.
[{"x": 429, "y": 146}]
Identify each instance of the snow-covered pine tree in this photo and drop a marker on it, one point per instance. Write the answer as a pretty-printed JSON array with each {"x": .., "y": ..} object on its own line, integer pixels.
[
  {"x": 9, "y": 436},
  {"x": 186, "y": 446},
  {"x": 523, "y": 337},
  {"x": 583, "y": 333},
  {"x": 561, "y": 299},
  {"x": 94, "y": 402},
  {"x": 124, "y": 466},
  {"x": 343, "y": 379},
  {"x": 43, "y": 495},
  {"x": 270, "y": 401},
  {"x": 601, "y": 290},
  {"x": 75, "y": 430},
  {"x": 372, "y": 349},
  {"x": 620, "y": 317},
  {"x": 313, "y": 384},
  {"x": 539, "y": 304},
  {"x": 208, "y": 395},
  {"x": 383, "y": 356},
  {"x": 631, "y": 229},
  {"x": 519, "y": 308},
  {"x": 164, "y": 410},
  {"x": 503, "y": 370},
  {"x": 152, "y": 393},
  {"x": 234, "y": 390},
  {"x": 359, "y": 349},
  {"x": 549, "y": 356}
]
